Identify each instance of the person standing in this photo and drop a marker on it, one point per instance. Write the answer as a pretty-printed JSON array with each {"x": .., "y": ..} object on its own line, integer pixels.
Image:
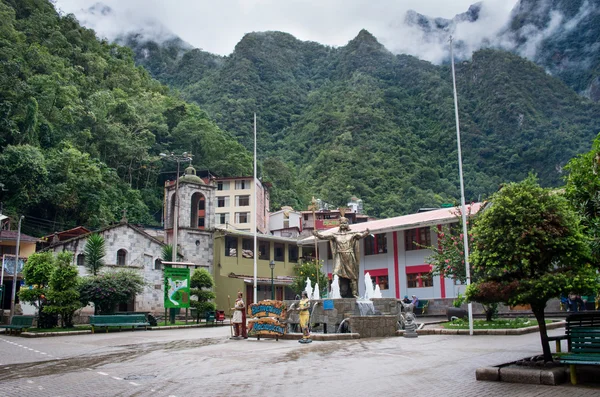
[{"x": 239, "y": 318}]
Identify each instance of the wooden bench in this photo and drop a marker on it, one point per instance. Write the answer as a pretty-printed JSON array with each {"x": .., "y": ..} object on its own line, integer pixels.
[
  {"x": 422, "y": 306},
  {"x": 119, "y": 320},
  {"x": 18, "y": 324},
  {"x": 579, "y": 319},
  {"x": 585, "y": 349}
]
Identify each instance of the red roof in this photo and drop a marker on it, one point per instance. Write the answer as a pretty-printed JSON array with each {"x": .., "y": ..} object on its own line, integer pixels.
[
  {"x": 67, "y": 234},
  {"x": 11, "y": 235}
]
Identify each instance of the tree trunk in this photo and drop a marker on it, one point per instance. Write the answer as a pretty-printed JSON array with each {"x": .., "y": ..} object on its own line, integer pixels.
[{"x": 541, "y": 319}]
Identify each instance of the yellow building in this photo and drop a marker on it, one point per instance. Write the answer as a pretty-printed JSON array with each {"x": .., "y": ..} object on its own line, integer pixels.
[
  {"x": 8, "y": 249},
  {"x": 234, "y": 266}
]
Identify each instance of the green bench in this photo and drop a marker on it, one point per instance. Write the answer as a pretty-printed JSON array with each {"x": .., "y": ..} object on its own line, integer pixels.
[
  {"x": 585, "y": 349},
  {"x": 422, "y": 306},
  {"x": 18, "y": 324},
  {"x": 119, "y": 320}
]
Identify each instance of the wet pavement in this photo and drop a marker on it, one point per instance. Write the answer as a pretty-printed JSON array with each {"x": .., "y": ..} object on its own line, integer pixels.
[{"x": 205, "y": 362}]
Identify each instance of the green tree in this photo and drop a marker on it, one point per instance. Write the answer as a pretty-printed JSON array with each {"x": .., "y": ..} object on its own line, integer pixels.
[
  {"x": 529, "y": 248},
  {"x": 201, "y": 284},
  {"x": 309, "y": 270},
  {"x": 583, "y": 191},
  {"x": 63, "y": 295},
  {"x": 37, "y": 272},
  {"x": 94, "y": 252},
  {"x": 107, "y": 290}
]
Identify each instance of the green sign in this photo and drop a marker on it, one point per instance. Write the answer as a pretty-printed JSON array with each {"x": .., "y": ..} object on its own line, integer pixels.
[
  {"x": 446, "y": 205},
  {"x": 177, "y": 287}
]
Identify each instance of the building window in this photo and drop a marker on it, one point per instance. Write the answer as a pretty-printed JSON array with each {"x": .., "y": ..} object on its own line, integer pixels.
[
  {"x": 412, "y": 280},
  {"x": 247, "y": 248},
  {"x": 376, "y": 244},
  {"x": 379, "y": 277},
  {"x": 223, "y": 218},
  {"x": 419, "y": 280},
  {"x": 230, "y": 246},
  {"x": 80, "y": 260},
  {"x": 293, "y": 253},
  {"x": 198, "y": 211},
  {"x": 223, "y": 185},
  {"x": 158, "y": 264},
  {"x": 243, "y": 184},
  {"x": 223, "y": 202},
  {"x": 279, "y": 249},
  {"x": 416, "y": 239},
  {"x": 263, "y": 249},
  {"x": 242, "y": 201},
  {"x": 242, "y": 217},
  {"x": 121, "y": 257}
]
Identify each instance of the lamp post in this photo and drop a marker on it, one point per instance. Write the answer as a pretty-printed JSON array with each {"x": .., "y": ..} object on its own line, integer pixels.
[
  {"x": 272, "y": 266},
  {"x": 462, "y": 188},
  {"x": 185, "y": 156}
]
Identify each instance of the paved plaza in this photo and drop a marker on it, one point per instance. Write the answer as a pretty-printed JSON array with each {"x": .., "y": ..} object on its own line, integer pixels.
[{"x": 204, "y": 362}]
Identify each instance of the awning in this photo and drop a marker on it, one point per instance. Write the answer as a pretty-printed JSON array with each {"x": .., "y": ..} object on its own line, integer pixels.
[{"x": 279, "y": 280}]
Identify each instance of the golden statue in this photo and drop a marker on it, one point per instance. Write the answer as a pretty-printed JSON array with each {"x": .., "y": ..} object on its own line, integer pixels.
[{"x": 345, "y": 250}]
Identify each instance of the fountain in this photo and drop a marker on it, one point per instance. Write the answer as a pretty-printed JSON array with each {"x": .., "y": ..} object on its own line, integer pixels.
[
  {"x": 316, "y": 294},
  {"x": 308, "y": 288},
  {"x": 369, "y": 290},
  {"x": 335, "y": 288},
  {"x": 377, "y": 293}
]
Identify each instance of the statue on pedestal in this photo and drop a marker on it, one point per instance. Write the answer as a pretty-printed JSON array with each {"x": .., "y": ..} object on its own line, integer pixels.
[{"x": 345, "y": 250}]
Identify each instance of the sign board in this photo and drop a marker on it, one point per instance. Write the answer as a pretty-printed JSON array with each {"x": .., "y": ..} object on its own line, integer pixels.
[
  {"x": 8, "y": 264},
  {"x": 177, "y": 287},
  {"x": 266, "y": 316},
  {"x": 328, "y": 304},
  {"x": 327, "y": 223},
  {"x": 267, "y": 308}
]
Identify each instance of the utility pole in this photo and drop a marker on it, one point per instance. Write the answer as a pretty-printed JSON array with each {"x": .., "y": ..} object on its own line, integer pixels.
[{"x": 16, "y": 269}]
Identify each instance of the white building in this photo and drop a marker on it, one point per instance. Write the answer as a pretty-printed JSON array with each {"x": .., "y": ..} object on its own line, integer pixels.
[{"x": 394, "y": 258}]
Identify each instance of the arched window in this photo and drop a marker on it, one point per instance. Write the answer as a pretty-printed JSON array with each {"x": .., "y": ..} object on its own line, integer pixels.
[
  {"x": 80, "y": 260},
  {"x": 121, "y": 257},
  {"x": 198, "y": 211},
  {"x": 157, "y": 264}
]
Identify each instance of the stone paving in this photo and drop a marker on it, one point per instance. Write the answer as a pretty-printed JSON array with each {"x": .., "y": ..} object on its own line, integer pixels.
[{"x": 203, "y": 361}]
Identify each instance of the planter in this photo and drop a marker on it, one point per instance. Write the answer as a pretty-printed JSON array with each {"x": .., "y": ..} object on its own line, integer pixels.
[{"x": 456, "y": 312}]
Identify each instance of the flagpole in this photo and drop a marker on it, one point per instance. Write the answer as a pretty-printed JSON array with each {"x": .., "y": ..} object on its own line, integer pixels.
[
  {"x": 462, "y": 189},
  {"x": 254, "y": 255}
]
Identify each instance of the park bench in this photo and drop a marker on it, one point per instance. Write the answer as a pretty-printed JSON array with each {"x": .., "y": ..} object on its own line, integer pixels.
[
  {"x": 579, "y": 319},
  {"x": 18, "y": 324},
  {"x": 584, "y": 349},
  {"x": 118, "y": 320},
  {"x": 422, "y": 306}
]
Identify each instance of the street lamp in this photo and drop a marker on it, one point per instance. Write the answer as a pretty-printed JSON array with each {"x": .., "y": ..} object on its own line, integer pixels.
[
  {"x": 272, "y": 266},
  {"x": 185, "y": 156}
]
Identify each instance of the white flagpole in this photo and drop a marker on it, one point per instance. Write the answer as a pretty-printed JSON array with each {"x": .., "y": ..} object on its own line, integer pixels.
[
  {"x": 462, "y": 189},
  {"x": 254, "y": 216}
]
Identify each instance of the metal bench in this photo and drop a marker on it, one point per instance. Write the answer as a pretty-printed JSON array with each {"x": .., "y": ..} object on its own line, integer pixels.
[
  {"x": 579, "y": 319},
  {"x": 18, "y": 324},
  {"x": 585, "y": 349},
  {"x": 119, "y": 320}
]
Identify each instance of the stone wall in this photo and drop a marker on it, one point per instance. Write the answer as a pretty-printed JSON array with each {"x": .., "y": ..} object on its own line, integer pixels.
[{"x": 374, "y": 326}]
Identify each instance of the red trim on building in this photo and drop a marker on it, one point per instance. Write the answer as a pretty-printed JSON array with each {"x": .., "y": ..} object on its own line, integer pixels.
[
  {"x": 377, "y": 272},
  {"x": 442, "y": 277},
  {"x": 395, "y": 234},
  {"x": 418, "y": 269}
]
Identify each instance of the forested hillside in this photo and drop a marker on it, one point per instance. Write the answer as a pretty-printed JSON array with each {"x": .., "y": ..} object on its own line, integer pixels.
[
  {"x": 81, "y": 126},
  {"x": 359, "y": 120}
]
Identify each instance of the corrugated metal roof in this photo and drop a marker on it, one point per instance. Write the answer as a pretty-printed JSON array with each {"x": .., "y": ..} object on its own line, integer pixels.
[
  {"x": 11, "y": 235},
  {"x": 429, "y": 218}
]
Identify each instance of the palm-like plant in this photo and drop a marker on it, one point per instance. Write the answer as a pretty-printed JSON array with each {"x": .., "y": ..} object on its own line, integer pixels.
[{"x": 94, "y": 252}]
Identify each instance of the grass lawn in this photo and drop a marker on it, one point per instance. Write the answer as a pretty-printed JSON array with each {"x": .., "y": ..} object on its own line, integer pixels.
[{"x": 499, "y": 323}]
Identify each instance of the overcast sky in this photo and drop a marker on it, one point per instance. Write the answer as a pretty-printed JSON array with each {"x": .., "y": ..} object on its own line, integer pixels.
[{"x": 217, "y": 26}]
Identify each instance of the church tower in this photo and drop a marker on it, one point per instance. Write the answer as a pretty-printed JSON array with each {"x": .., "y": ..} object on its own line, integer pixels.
[{"x": 196, "y": 217}]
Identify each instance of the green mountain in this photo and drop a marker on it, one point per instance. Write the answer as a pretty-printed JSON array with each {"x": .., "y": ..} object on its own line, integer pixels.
[
  {"x": 81, "y": 127},
  {"x": 359, "y": 120}
]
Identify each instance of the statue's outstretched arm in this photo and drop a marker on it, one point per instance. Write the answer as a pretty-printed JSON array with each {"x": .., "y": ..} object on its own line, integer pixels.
[{"x": 322, "y": 236}]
